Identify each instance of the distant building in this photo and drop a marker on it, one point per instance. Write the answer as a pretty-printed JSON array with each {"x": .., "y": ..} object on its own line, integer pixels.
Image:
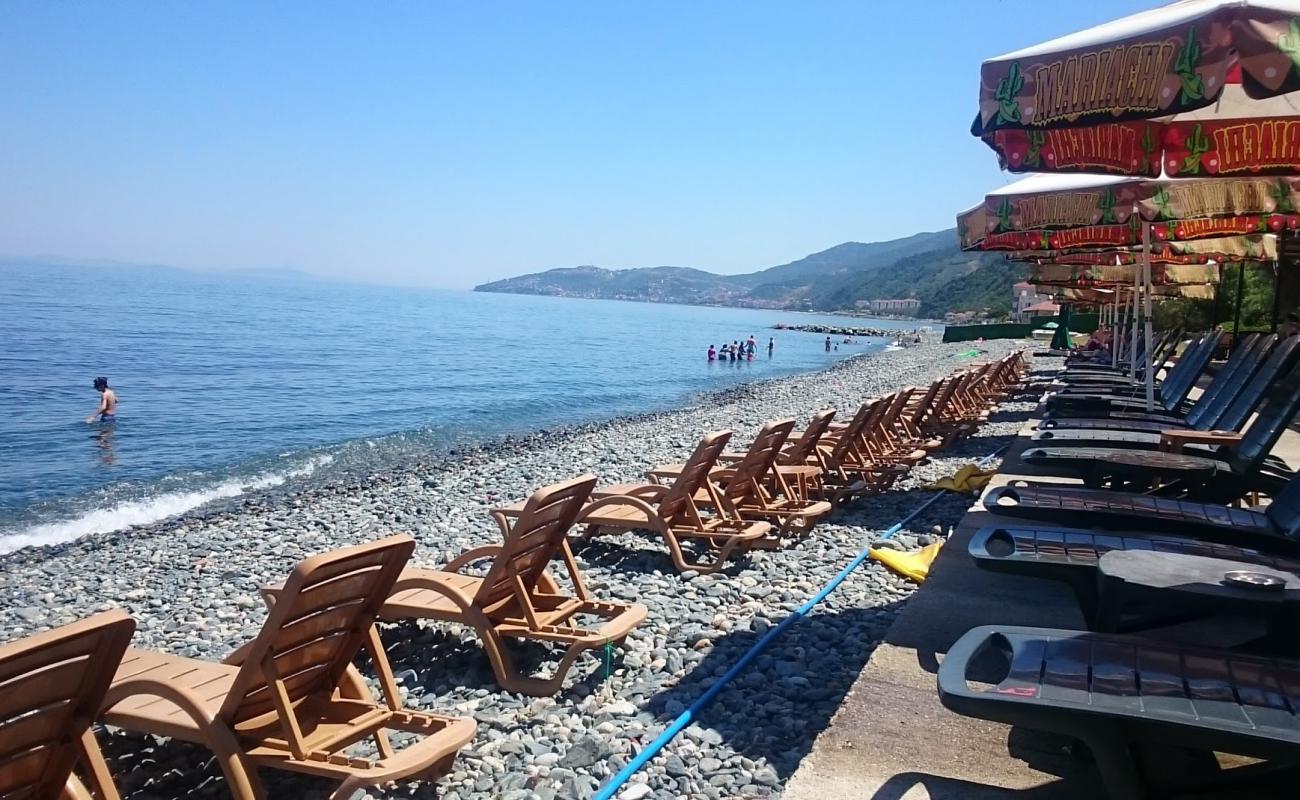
[
  {"x": 904, "y": 308},
  {"x": 1024, "y": 296}
]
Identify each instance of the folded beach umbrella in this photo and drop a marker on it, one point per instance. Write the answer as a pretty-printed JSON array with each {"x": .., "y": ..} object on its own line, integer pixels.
[{"x": 1194, "y": 88}]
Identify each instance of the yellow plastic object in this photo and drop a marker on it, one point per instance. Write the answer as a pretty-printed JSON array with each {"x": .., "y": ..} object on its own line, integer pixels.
[
  {"x": 968, "y": 480},
  {"x": 914, "y": 565}
]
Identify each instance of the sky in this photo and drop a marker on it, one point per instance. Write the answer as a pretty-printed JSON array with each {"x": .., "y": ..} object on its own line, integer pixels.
[{"x": 451, "y": 143}]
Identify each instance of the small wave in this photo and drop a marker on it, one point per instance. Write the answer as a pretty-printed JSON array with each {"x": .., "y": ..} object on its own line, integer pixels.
[
  {"x": 150, "y": 509},
  {"x": 893, "y": 348}
]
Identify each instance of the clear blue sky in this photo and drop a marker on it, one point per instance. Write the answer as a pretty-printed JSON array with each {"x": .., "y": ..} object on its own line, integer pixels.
[{"x": 449, "y": 143}]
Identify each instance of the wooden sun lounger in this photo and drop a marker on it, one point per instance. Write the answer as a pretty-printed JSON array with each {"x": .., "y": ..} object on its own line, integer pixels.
[
  {"x": 291, "y": 699},
  {"x": 52, "y": 686},
  {"x": 519, "y": 598},
  {"x": 673, "y": 512}
]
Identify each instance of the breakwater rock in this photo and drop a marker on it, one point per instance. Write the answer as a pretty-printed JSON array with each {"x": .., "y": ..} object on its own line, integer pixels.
[{"x": 844, "y": 330}]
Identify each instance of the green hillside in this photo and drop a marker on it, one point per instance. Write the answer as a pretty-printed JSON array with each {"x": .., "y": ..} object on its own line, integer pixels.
[{"x": 927, "y": 266}]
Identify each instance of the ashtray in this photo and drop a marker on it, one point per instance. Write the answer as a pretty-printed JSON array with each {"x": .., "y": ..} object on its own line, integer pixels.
[{"x": 1254, "y": 580}]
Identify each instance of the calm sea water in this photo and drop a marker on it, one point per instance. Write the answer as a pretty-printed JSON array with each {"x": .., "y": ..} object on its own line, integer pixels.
[{"x": 229, "y": 382}]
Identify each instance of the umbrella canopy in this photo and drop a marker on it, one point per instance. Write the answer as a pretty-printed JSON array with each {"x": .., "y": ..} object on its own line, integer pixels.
[
  {"x": 1060, "y": 212},
  {"x": 1198, "y": 87}
]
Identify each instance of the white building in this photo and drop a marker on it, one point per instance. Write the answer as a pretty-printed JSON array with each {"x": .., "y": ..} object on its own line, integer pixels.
[
  {"x": 1024, "y": 296},
  {"x": 906, "y": 307}
]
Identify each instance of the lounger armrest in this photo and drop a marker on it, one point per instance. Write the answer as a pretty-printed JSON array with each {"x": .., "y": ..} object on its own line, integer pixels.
[
  {"x": 470, "y": 556},
  {"x": 184, "y": 698},
  {"x": 620, "y": 625},
  {"x": 1175, "y": 440},
  {"x": 645, "y": 491}
]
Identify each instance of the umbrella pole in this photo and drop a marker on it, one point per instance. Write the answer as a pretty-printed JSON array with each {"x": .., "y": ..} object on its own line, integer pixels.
[
  {"x": 1277, "y": 301},
  {"x": 1115, "y": 333},
  {"x": 1146, "y": 279},
  {"x": 1133, "y": 327},
  {"x": 1236, "y": 315}
]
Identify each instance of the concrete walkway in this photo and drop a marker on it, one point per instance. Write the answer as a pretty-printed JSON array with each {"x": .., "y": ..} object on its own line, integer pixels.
[{"x": 892, "y": 740}]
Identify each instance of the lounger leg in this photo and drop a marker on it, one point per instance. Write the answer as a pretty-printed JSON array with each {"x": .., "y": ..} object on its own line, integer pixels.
[
  {"x": 1114, "y": 759},
  {"x": 240, "y": 773}
]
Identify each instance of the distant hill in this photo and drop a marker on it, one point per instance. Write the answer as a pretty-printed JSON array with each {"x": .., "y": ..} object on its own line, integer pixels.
[{"x": 927, "y": 266}]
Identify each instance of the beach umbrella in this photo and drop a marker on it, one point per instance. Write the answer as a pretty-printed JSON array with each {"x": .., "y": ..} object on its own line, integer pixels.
[
  {"x": 1061, "y": 339},
  {"x": 1200, "y": 87}
]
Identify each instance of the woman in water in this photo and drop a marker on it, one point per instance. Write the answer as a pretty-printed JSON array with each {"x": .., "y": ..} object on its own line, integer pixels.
[{"x": 713, "y": 354}]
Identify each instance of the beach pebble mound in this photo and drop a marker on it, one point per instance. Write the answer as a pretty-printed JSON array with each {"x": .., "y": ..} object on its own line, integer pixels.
[{"x": 192, "y": 585}]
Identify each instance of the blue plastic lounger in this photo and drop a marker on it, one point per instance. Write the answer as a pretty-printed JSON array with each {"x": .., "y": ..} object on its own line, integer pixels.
[
  {"x": 1117, "y": 693},
  {"x": 1222, "y": 475},
  {"x": 1099, "y": 374},
  {"x": 1227, "y": 403},
  {"x": 1276, "y": 528},
  {"x": 1071, "y": 555},
  {"x": 1170, "y": 394}
]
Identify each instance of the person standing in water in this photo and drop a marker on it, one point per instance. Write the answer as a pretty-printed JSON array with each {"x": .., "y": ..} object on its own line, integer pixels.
[
  {"x": 107, "y": 411},
  {"x": 713, "y": 354},
  {"x": 771, "y": 343},
  {"x": 828, "y": 344},
  {"x": 751, "y": 345}
]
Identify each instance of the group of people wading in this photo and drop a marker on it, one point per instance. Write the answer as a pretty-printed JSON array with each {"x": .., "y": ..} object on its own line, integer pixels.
[{"x": 739, "y": 351}]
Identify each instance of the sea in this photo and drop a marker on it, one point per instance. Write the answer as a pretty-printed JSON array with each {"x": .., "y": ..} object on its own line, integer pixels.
[{"x": 231, "y": 382}]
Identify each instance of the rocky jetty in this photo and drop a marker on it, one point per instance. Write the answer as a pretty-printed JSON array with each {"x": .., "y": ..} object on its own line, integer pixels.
[
  {"x": 192, "y": 585},
  {"x": 846, "y": 330}
]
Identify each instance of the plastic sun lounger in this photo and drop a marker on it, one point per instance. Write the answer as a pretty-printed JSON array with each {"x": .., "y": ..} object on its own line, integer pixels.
[
  {"x": 53, "y": 686},
  {"x": 1222, "y": 475},
  {"x": 1164, "y": 349},
  {"x": 1277, "y": 527},
  {"x": 674, "y": 514},
  {"x": 291, "y": 699},
  {"x": 1072, "y": 555},
  {"x": 851, "y": 469},
  {"x": 1115, "y": 692},
  {"x": 1280, "y": 361},
  {"x": 1170, "y": 393},
  {"x": 1236, "y": 403},
  {"x": 743, "y": 487},
  {"x": 518, "y": 598},
  {"x": 1216, "y": 408}
]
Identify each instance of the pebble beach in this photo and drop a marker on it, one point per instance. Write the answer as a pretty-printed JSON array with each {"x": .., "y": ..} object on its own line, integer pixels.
[{"x": 192, "y": 583}]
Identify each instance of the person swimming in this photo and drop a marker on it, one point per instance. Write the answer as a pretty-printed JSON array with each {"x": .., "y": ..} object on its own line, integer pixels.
[{"x": 107, "y": 411}]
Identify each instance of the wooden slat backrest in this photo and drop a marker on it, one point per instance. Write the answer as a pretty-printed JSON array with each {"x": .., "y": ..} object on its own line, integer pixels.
[
  {"x": 317, "y": 626},
  {"x": 802, "y": 449},
  {"x": 679, "y": 502},
  {"x": 747, "y": 478},
  {"x": 51, "y": 687},
  {"x": 533, "y": 541}
]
